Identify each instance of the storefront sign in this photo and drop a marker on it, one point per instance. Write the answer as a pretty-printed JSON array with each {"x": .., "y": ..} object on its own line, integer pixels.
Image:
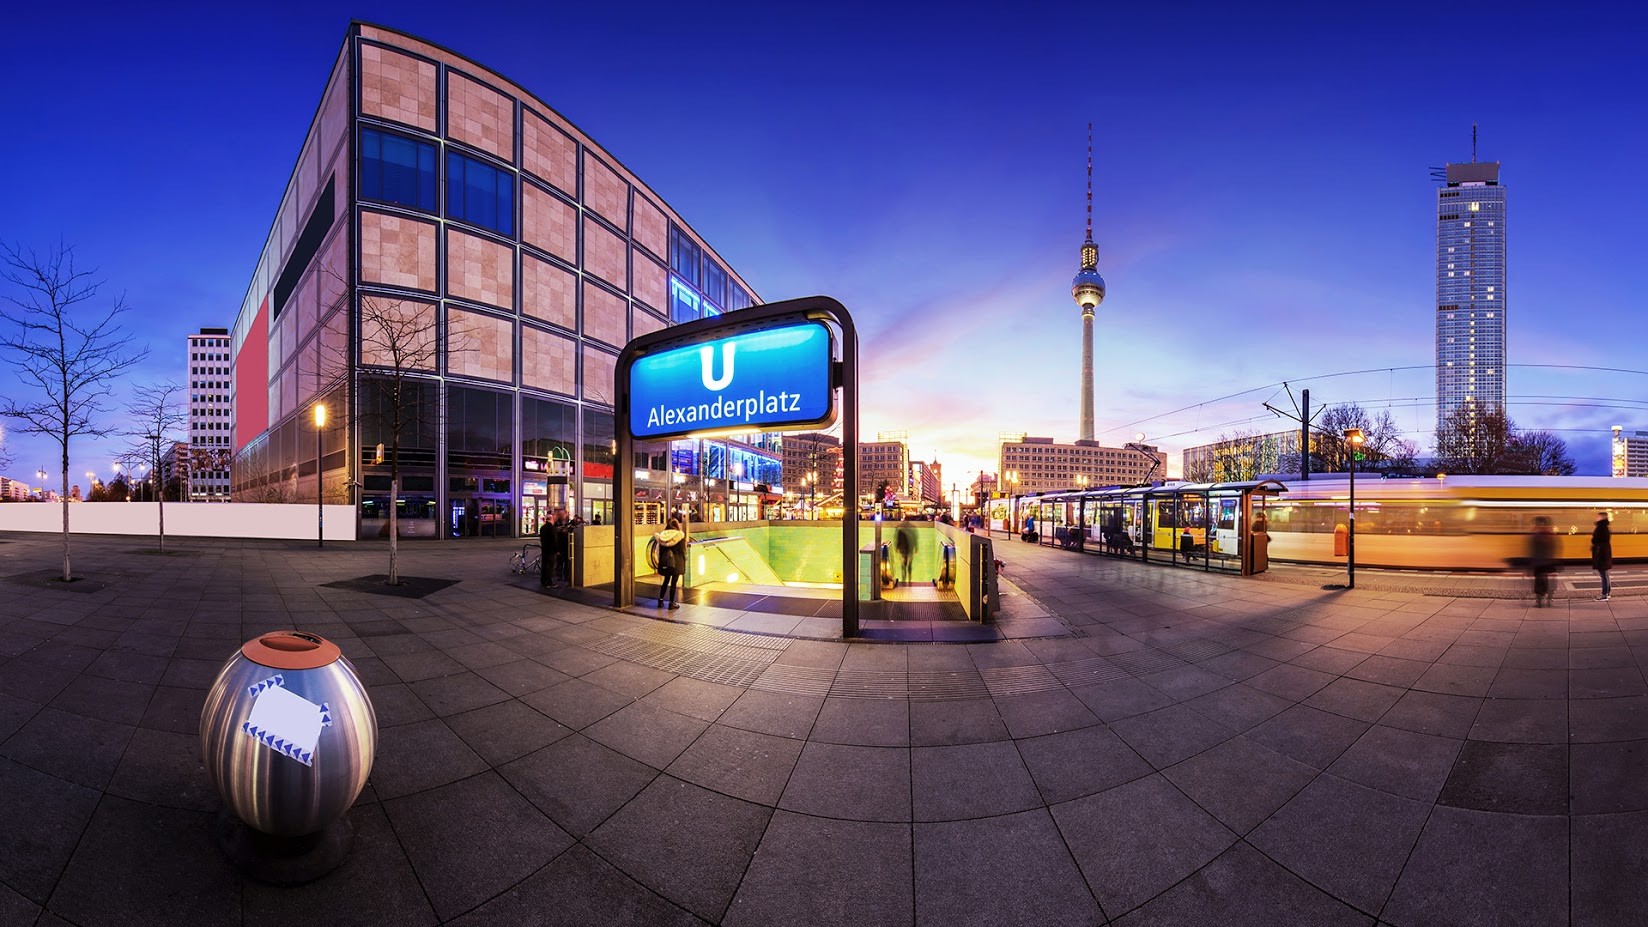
[{"x": 761, "y": 381}]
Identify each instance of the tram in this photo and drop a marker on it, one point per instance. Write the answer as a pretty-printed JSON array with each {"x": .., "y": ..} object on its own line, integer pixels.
[{"x": 1444, "y": 523}]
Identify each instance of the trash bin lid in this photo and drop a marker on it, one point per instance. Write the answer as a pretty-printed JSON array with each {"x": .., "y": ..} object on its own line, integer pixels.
[{"x": 291, "y": 650}]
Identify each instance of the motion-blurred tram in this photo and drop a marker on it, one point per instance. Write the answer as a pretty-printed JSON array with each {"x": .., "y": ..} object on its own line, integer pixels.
[{"x": 1446, "y": 523}]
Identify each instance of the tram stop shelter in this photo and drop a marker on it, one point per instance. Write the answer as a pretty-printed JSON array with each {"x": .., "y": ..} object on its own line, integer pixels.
[{"x": 1209, "y": 526}]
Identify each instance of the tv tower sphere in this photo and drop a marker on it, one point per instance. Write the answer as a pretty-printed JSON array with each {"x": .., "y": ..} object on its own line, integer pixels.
[{"x": 1087, "y": 289}]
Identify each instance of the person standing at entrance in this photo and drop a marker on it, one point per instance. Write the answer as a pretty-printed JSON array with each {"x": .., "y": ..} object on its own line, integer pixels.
[
  {"x": 1602, "y": 552},
  {"x": 563, "y": 546},
  {"x": 546, "y": 553},
  {"x": 672, "y": 562},
  {"x": 1542, "y": 560}
]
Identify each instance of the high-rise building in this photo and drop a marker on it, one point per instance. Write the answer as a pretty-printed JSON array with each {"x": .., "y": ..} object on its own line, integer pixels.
[
  {"x": 209, "y": 421},
  {"x": 1630, "y": 453},
  {"x": 437, "y": 202},
  {"x": 1470, "y": 291},
  {"x": 885, "y": 460},
  {"x": 1088, "y": 291}
]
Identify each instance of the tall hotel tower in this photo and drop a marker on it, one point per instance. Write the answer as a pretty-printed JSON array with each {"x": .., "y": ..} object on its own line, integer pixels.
[
  {"x": 1088, "y": 291},
  {"x": 1470, "y": 290}
]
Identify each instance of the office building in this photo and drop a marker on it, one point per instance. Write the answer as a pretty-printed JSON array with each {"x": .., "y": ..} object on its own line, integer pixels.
[
  {"x": 1471, "y": 299},
  {"x": 1031, "y": 464},
  {"x": 1630, "y": 453},
  {"x": 209, "y": 464},
  {"x": 437, "y": 204},
  {"x": 886, "y": 460},
  {"x": 1242, "y": 458}
]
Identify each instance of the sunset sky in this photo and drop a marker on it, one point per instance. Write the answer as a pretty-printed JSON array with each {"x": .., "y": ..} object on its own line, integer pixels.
[{"x": 1263, "y": 204}]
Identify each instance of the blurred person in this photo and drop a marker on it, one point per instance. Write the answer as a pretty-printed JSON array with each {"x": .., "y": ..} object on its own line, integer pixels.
[
  {"x": 1542, "y": 560},
  {"x": 904, "y": 541},
  {"x": 1602, "y": 552}
]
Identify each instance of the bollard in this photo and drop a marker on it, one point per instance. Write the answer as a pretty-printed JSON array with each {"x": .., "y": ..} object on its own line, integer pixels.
[{"x": 288, "y": 736}]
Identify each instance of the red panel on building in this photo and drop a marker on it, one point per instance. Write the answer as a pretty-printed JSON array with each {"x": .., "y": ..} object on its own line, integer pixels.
[{"x": 252, "y": 380}]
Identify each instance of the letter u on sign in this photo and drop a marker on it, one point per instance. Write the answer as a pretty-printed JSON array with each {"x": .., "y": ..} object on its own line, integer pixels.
[{"x": 706, "y": 356}]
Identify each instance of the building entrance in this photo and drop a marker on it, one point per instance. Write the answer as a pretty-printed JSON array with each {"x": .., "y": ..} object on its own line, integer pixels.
[{"x": 479, "y": 517}]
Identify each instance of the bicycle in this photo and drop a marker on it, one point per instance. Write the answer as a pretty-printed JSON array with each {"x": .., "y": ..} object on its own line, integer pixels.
[{"x": 529, "y": 560}]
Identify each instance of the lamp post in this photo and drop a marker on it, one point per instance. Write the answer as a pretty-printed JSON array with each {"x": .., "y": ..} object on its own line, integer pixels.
[
  {"x": 320, "y": 501},
  {"x": 1012, "y": 479},
  {"x": 1356, "y": 439},
  {"x": 41, "y": 474}
]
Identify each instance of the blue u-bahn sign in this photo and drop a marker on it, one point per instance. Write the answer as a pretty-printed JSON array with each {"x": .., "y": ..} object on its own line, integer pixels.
[{"x": 758, "y": 381}]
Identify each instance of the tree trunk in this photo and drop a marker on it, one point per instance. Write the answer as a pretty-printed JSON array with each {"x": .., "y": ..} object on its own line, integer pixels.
[
  {"x": 66, "y": 574},
  {"x": 394, "y": 531},
  {"x": 162, "y": 509}
]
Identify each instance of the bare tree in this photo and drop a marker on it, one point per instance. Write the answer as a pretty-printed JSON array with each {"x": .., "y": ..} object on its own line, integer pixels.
[
  {"x": 1383, "y": 446},
  {"x": 154, "y": 412},
  {"x": 1541, "y": 453},
  {"x": 65, "y": 353},
  {"x": 1472, "y": 441}
]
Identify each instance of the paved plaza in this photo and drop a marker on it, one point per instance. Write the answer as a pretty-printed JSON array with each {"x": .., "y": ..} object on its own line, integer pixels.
[{"x": 1196, "y": 749}]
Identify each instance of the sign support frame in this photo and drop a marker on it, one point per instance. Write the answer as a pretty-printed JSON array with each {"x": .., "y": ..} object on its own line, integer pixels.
[{"x": 843, "y": 376}]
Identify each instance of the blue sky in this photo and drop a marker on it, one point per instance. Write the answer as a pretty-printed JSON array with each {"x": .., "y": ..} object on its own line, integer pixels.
[{"x": 1263, "y": 205}]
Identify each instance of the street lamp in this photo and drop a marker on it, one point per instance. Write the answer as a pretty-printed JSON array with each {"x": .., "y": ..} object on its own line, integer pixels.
[
  {"x": 1356, "y": 439},
  {"x": 320, "y": 502},
  {"x": 1011, "y": 477}
]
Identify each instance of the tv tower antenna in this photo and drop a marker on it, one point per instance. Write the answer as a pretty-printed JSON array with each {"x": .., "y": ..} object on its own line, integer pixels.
[
  {"x": 1090, "y": 181},
  {"x": 1473, "y": 158}
]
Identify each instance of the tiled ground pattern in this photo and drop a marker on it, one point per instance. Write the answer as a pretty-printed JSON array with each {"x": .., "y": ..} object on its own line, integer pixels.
[{"x": 1198, "y": 750}]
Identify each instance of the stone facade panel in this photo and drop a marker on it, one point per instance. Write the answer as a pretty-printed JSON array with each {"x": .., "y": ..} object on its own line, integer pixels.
[
  {"x": 479, "y": 345},
  {"x": 547, "y": 361},
  {"x": 549, "y": 223},
  {"x": 605, "y": 254},
  {"x": 397, "y": 87},
  {"x": 606, "y": 316},
  {"x": 397, "y": 251},
  {"x": 479, "y": 269},
  {"x": 549, "y": 154},
  {"x": 480, "y": 116}
]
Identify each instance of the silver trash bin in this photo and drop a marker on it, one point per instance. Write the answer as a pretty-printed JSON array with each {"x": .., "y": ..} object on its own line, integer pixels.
[{"x": 288, "y": 735}]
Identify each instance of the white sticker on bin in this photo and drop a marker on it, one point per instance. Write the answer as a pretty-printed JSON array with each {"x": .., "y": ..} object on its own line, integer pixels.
[{"x": 285, "y": 721}]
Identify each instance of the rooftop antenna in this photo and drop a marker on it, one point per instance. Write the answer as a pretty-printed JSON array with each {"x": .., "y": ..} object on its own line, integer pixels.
[
  {"x": 1090, "y": 181},
  {"x": 1473, "y": 143}
]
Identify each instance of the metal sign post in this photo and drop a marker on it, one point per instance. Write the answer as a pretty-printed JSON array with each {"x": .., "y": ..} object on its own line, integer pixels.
[{"x": 765, "y": 368}]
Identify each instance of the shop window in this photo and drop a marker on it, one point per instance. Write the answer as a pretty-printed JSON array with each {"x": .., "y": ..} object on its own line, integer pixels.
[
  {"x": 396, "y": 169},
  {"x": 480, "y": 194}
]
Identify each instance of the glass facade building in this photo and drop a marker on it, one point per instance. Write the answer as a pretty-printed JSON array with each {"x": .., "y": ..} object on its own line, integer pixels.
[
  {"x": 445, "y": 225},
  {"x": 1470, "y": 291}
]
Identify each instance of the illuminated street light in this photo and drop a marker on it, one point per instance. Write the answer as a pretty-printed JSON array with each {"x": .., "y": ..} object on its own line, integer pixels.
[
  {"x": 320, "y": 502},
  {"x": 1356, "y": 439}
]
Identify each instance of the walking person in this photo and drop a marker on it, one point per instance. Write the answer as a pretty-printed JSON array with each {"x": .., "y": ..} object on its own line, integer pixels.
[
  {"x": 1542, "y": 560},
  {"x": 1602, "y": 552},
  {"x": 904, "y": 541},
  {"x": 672, "y": 562}
]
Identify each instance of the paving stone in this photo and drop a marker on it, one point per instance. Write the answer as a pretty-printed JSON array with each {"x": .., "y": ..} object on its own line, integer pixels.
[
  {"x": 1609, "y": 855},
  {"x": 41, "y": 820},
  {"x": 105, "y": 699},
  {"x": 163, "y": 768},
  {"x": 1606, "y": 720},
  {"x": 1239, "y": 782},
  {"x": 1399, "y": 762},
  {"x": 695, "y": 698},
  {"x": 865, "y": 722},
  {"x": 142, "y": 668},
  {"x": 1513, "y": 778},
  {"x": 1044, "y": 713},
  {"x": 457, "y": 693},
  {"x": 856, "y": 783},
  {"x": 575, "y": 890},
  {"x": 1313, "y": 737},
  {"x": 1239, "y": 707},
  {"x": 1433, "y": 713},
  {"x": 1308, "y": 837},
  {"x": 631, "y": 679},
  {"x": 1244, "y": 889},
  {"x": 1608, "y": 778},
  {"x": 1294, "y": 683},
  {"x": 1354, "y": 698},
  {"x": 578, "y": 782},
  {"x": 397, "y": 704},
  {"x": 1479, "y": 868},
  {"x": 1607, "y": 682},
  {"x": 1071, "y": 764},
  {"x": 81, "y": 750},
  {"x": 576, "y": 703},
  {"x": 470, "y": 840},
  {"x": 1121, "y": 698},
  {"x": 423, "y": 664},
  {"x": 825, "y": 872},
  {"x": 652, "y": 735},
  {"x": 505, "y": 731},
  {"x": 955, "y": 721},
  {"x": 969, "y": 781},
  {"x": 1033, "y": 878},
  {"x": 1138, "y": 839},
  {"x": 779, "y": 713},
  {"x": 743, "y": 764},
  {"x": 33, "y": 682},
  {"x": 15, "y": 909},
  {"x": 1167, "y": 735},
  {"x": 143, "y": 864},
  {"x": 421, "y": 755},
  {"x": 686, "y": 843}
]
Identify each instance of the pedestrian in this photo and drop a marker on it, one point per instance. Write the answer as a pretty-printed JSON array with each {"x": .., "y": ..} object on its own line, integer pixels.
[
  {"x": 563, "y": 546},
  {"x": 1542, "y": 560},
  {"x": 904, "y": 541},
  {"x": 546, "y": 553},
  {"x": 1602, "y": 552},
  {"x": 672, "y": 562}
]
